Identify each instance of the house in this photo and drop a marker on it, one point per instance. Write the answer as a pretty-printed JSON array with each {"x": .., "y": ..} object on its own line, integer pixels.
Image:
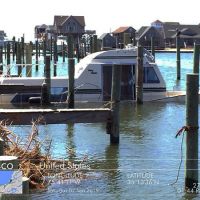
[
  {"x": 164, "y": 34},
  {"x": 107, "y": 41},
  {"x": 42, "y": 30},
  {"x": 124, "y": 35},
  {"x": 146, "y": 36},
  {"x": 65, "y": 25}
]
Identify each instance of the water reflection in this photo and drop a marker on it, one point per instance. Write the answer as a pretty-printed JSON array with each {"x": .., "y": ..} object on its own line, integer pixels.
[{"x": 70, "y": 145}]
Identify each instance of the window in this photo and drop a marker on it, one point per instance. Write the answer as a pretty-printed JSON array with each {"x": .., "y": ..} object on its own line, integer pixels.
[{"x": 150, "y": 75}]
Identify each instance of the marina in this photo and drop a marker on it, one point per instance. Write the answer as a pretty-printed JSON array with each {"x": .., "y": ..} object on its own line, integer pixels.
[
  {"x": 136, "y": 168},
  {"x": 108, "y": 118}
]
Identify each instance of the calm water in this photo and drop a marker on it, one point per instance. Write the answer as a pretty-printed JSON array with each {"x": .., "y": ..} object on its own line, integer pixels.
[
  {"x": 143, "y": 165},
  {"x": 167, "y": 66},
  {"x": 147, "y": 146}
]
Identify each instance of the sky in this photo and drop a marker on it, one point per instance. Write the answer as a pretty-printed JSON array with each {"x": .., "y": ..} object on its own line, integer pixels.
[{"x": 18, "y": 17}]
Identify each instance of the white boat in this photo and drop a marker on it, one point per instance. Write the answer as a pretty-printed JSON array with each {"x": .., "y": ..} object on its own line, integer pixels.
[{"x": 93, "y": 75}]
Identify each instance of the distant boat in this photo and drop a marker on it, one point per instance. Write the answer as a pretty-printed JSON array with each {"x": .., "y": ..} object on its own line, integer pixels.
[{"x": 93, "y": 76}]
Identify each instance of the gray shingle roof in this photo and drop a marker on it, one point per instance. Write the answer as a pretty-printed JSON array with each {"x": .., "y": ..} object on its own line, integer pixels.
[{"x": 59, "y": 19}]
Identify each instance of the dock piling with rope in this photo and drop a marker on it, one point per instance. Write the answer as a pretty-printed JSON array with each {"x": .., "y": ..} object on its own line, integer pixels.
[{"x": 191, "y": 174}]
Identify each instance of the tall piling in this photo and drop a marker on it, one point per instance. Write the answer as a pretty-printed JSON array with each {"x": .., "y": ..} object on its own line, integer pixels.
[
  {"x": 152, "y": 47},
  {"x": 1, "y": 60},
  {"x": 36, "y": 54},
  {"x": 51, "y": 46},
  {"x": 44, "y": 50},
  {"x": 13, "y": 48},
  {"x": 46, "y": 86},
  {"x": 18, "y": 60},
  {"x": 28, "y": 60},
  {"x": 63, "y": 51},
  {"x": 139, "y": 76},
  {"x": 22, "y": 49},
  {"x": 178, "y": 56},
  {"x": 55, "y": 58},
  {"x": 115, "y": 103},
  {"x": 95, "y": 44},
  {"x": 39, "y": 49},
  {"x": 8, "y": 59},
  {"x": 196, "y": 58},
  {"x": 70, "y": 48},
  {"x": 5, "y": 51},
  {"x": 192, "y": 98},
  {"x": 70, "y": 98}
]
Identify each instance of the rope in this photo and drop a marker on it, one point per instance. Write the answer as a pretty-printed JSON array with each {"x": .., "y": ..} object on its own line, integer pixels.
[
  {"x": 179, "y": 168},
  {"x": 188, "y": 129}
]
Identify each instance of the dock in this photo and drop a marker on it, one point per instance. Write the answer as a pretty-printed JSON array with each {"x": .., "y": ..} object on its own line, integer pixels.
[{"x": 56, "y": 116}]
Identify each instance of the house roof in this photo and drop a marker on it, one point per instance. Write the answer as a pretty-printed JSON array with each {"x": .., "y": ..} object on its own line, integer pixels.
[
  {"x": 151, "y": 32},
  {"x": 59, "y": 19},
  {"x": 141, "y": 31},
  {"x": 108, "y": 35},
  {"x": 122, "y": 29},
  {"x": 190, "y": 30},
  {"x": 157, "y": 21},
  {"x": 103, "y": 36}
]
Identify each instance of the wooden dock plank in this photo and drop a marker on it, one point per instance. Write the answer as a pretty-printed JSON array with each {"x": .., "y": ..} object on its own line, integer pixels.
[{"x": 55, "y": 116}]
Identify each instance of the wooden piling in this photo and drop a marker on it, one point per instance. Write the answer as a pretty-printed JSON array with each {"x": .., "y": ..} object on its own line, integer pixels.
[
  {"x": 22, "y": 49},
  {"x": 13, "y": 47},
  {"x": 70, "y": 48},
  {"x": 18, "y": 60},
  {"x": 63, "y": 51},
  {"x": 139, "y": 76},
  {"x": 115, "y": 103},
  {"x": 178, "y": 57},
  {"x": 44, "y": 50},
  {"x": 36, "y": 55},
  {"x": 91, "y": 44},
  {"x": 39, "y": 49},
  {"x": 95, "y": 44},
  {"x": 70, "y": 98},
  {"x": 196, "y": 58},
  {"x": 28, "y": 60},
  {"x": 8, "y": 59},
  {"x": 1, "y": 147},
  {"x": 152, "y": 47},
  {"x": 55, "y": 52},
  {"x": 191, "y": 175},
  {"x": 78, "y": 50},
  {"x": 46, "y": 86},
  {"x": 1, "y": 60},
  {"x": 5, "y": 51},
  {"x": 51, "y": 46}
]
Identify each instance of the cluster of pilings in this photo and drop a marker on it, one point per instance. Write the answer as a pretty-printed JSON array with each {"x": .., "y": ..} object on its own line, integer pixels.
[{"x": 20, "y": 53}]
